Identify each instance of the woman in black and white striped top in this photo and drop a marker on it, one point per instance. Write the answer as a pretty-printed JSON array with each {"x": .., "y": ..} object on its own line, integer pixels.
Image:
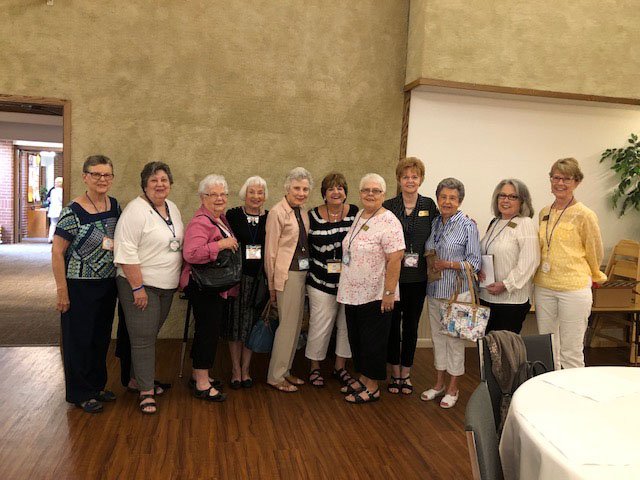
[
  {"x": 329, "y": 223},
  {"x": 512, "y": 241}
]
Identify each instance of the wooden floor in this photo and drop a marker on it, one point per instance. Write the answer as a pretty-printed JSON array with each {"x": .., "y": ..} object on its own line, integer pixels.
[{"x": 257, "y": 433}]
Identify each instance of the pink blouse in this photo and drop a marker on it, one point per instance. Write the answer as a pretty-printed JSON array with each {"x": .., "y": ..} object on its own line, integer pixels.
[
  {"x": 362, "y": 281},
  {"x": 201, "y": 245}
]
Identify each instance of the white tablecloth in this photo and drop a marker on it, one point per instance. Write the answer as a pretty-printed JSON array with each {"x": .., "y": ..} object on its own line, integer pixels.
[{"x": 574, "y": 424}]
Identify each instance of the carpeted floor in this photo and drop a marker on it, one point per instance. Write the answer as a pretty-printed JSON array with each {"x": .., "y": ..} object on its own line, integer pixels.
[{"x": 27, "y": 296}]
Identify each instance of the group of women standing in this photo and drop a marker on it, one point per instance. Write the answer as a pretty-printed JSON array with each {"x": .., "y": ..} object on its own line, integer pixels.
[{"x": 363, "y": 270}]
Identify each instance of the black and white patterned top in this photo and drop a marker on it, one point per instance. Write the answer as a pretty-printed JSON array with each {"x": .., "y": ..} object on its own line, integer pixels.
[
  {"x": 325, "y": 243},
  {"x": 85, "y": 258}
]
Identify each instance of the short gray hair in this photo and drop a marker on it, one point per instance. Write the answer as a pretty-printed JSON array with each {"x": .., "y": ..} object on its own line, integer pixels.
[
  {"x": 251, "y": 182},
  {"x": 373, "y": 177},
  {"x": 210, "y": 181},
  {"x": 453, "y": 184},
  {"x": 150, "y": 169},
  {"x": 299, "y": 174},
  {"x": 526, "y": 209}
]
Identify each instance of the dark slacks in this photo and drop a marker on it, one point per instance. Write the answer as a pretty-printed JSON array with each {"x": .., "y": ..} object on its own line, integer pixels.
[
  {"x": 86, "y": 332},
  {"x": 368, "y": 330},
  {"x": 406, "y": 316},
  {"x": 210, "y": 310},
  {"x": 507, "y": 316}
]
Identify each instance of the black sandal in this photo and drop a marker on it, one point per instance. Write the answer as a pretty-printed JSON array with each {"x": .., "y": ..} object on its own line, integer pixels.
[
  {"x": 315, "y": 379},
  {"x": 394, "y": 384},
  {"x": 144, "y": 405},
  {"x": 350, "y": 389},
  {"x": 343, "y": 376},
  {"x": 204, "y": 395},
  {"x": 359, "y": 400},
  {"x": 90, "y": 406},
  {"x": 106, "y": 396},
  {"x": 405, "y": 386}
]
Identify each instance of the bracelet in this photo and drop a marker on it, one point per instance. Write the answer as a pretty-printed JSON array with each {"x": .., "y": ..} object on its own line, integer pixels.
[{"x": 137, "y": 289}]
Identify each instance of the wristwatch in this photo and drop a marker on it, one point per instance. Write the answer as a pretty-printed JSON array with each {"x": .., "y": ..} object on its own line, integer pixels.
[{"x": 388, "y": 292}]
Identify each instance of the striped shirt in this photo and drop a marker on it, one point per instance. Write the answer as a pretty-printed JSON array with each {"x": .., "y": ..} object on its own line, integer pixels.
[
  {"x": 455, "y": 241},
  {"x": 325, "y": 243}
]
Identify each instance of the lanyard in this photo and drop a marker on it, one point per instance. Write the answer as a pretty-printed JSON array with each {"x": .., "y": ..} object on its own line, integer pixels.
[
  {"x": 490, "y": 240},
  {"x": 106, "y": 207},
  {"x": 437, "y": 238},
  {"x": 167, "y": 222},
  {"x": 549, "y": 237},
  {"x": 355, "y": 234}
]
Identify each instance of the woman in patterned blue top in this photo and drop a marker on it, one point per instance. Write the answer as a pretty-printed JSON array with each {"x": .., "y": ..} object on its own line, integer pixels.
[
  {"x": 455, "y": 240},
  {"x": 82, "y": 262}
]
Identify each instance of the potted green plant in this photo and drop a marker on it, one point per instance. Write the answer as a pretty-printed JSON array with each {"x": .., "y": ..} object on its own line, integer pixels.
[{"x": 626, "y": 163}]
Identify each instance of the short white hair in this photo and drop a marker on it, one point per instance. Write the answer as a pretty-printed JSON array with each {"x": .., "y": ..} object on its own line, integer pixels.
[
  {"x": 210, "y": 181},
  {"x": 374, "y": 177},
  {"x": 255, "y": 181},
  {"x": 298, "y": 173}
]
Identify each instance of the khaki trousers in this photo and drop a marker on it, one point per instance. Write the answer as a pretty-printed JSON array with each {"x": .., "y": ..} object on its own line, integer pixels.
[{"x": 290, "y": 310}]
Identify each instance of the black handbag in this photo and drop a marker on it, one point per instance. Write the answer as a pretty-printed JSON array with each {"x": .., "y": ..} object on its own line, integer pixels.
[{"x": 221, "y": 274}]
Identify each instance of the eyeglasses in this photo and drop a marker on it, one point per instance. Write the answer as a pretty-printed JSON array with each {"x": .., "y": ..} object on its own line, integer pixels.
[
  {"x": 215, "y": 196},
  {"x": 512, "y": 197},
  {"x": 558, "y": 179},
  {"x": 97, "y": 176},
  {"x": 371, "y": 191}
]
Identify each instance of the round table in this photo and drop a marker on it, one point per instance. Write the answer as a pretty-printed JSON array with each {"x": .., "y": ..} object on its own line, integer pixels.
[{"x": 574, "y": 424}]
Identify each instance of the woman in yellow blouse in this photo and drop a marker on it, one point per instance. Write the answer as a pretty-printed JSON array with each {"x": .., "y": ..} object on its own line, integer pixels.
[{"x": 570, "y": 256}]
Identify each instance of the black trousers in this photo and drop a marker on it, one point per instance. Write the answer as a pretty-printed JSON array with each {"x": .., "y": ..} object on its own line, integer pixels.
[
  {"x": 368, "y": 330},
  {"x": 86, "y": 332},
  {"x": 507, "y": 316},
  {"x": 210, "y": 310},
  {"x": 406, "y": 316}
]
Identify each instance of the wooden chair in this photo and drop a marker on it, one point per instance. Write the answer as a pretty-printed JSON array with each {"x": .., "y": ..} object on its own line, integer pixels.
[{"x": 623, "y": 264}]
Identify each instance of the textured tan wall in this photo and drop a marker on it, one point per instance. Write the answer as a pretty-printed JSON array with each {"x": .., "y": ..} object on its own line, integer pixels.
[
  {"x": 238, "y": 88},
  {"x": 586, "y": 47}
]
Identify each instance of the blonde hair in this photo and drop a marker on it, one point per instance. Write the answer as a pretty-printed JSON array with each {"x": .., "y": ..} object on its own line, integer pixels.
[{"x": 568, "y": 166}]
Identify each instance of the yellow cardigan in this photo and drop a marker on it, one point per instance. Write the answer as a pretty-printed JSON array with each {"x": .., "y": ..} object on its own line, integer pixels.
[{"x": 576, "y": 249}]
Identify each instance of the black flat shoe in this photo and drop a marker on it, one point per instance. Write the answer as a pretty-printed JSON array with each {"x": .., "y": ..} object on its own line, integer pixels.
[
  {"x": 204, "y": 395},
  {"x": 90, "y": 406},
  {"x": 106, "y": 396},
  {"x": 248, "y": 383},
  {"x": 236, "y": 384},
  {"x": 217, "y": 384}
]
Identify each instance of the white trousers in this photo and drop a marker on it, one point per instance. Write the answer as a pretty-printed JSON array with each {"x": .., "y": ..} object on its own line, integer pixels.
[
  {"x": 565, "y": 314},
  {"x": 325, "y": 311},
  {"x": 448, "y": 352}
]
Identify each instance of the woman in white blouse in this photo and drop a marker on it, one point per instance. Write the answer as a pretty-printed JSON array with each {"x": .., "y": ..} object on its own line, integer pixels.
[
  {"x": 512, "y": 242},
  {"x": 147, "y": 251}
]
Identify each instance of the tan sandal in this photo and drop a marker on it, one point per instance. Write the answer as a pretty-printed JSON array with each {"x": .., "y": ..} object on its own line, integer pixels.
[
  {"x": 294, "y": 380},
  {"x": 284, "y": 387}
]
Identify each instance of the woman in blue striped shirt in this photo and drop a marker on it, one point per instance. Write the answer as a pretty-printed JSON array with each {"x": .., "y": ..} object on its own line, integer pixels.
[{"x": 455, "y": 240}]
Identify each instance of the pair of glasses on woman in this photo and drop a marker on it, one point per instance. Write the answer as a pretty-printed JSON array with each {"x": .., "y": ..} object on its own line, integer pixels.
[
  {"x": 98, "y": 176},
  {"x": 512, "y": 197}
]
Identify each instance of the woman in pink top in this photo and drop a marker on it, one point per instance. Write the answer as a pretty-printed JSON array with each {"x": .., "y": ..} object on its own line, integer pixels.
[
  {"x": 371, "y": 256},
  {"x": 206, "y": 235}
]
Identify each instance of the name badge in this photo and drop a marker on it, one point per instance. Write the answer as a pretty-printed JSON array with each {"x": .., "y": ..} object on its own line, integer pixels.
[
  {"x": 174, "y": 245},
  {"x": 365, "y": 227},
  {"x": 253, "y": 252},
  {"x": 334, "y": 266},
  {"x": 410, "y": 260},
  {"x": 512, "y": 224},
  {"x": 423, "y": 213},
  {"x": 303, "y": 264},
  {"x": 107, "y": 243}
]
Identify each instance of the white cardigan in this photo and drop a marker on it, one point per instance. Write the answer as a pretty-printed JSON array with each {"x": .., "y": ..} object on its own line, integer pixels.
[{"x": 516, "y": 256}]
